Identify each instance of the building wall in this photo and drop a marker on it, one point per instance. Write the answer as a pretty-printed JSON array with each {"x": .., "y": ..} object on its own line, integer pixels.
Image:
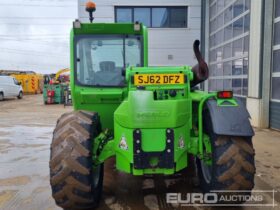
[
  {"x": 167, "y": 46},
  {"x": 275, "y": 86},
  {"x": 229, "y": 45},
  {"x": 243, "y": 50}
]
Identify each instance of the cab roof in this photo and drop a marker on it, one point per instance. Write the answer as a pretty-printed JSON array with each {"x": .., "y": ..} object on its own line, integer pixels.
[{"x": 108, "y": 28}]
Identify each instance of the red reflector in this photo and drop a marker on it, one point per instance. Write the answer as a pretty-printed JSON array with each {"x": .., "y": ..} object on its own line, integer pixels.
[
  {"x": 50, "y": 93},
  {"x": 225, "y": 94}
]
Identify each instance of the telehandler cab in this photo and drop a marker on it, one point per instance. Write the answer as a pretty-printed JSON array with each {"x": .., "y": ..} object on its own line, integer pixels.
[{"x": 151, "y": 119}]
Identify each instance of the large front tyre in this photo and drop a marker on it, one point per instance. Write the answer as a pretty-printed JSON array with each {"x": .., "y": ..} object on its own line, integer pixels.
[
  {"x": 75, "y": 183},
  {"x": 233, "y": 166}
]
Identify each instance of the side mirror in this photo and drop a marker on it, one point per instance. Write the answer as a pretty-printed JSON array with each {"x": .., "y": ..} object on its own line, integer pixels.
[{"x": 19, "y": 83}]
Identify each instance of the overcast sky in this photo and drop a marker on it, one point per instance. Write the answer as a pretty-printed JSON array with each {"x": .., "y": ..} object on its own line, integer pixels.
[{"x": 34, "y": 34}]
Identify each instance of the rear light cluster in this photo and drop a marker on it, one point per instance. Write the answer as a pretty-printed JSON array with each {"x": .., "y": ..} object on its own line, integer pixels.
[{"x": 225, "y": 94}]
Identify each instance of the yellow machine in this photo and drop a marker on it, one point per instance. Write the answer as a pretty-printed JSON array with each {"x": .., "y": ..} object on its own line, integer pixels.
[
  {"x": 31, "y": 83},
  {"x": 60, "y": 72}
]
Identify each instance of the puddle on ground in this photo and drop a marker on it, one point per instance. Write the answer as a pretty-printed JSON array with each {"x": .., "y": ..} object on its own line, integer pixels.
[
  {"x": 25, "y": 134},
  {"x": 31, "y": 145},
  {"x": 20, "y": 158},
  {"x": 5, "y": 145},
  {"x": 24, "y": 142}
]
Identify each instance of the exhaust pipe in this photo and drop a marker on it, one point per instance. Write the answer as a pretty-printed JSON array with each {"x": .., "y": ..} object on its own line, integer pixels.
[{"x": 200, "y": 70}]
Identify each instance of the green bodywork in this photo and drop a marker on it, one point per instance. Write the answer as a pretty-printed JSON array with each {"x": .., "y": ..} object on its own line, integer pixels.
[
  {"x": 151, "y": 109},
  {"x": 102, "y": 100}
]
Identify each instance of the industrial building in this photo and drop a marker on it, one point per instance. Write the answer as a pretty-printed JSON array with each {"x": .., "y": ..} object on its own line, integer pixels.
[
  {"x": 173, "y": 25},
  {"x": 240, "y": 42},
  {"x": 242, "y": 47}
]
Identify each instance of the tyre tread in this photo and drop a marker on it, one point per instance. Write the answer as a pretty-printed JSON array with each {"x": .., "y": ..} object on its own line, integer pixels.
[
  {"x": 71, "y": 144},
  {"x": 237, "y": 154}
]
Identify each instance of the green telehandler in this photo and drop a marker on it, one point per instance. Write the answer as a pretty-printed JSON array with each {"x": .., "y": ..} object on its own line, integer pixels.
[{"x": 151, "y": 119}]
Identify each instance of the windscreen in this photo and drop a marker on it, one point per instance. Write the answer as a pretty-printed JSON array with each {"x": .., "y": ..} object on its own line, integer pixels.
[{"x": 101, "y": 60}]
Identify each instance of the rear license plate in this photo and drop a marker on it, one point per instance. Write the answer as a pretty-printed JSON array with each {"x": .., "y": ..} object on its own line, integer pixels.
[{"x": 159, "y": 79}]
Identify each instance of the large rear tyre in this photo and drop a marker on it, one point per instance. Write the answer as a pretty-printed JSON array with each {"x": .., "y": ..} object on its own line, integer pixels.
[
  {"x": 75, "y": 183},
  {"x": 233, "y": 166}
]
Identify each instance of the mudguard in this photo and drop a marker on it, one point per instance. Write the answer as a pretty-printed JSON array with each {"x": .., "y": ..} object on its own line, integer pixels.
[{"x": 230, "y": 120}]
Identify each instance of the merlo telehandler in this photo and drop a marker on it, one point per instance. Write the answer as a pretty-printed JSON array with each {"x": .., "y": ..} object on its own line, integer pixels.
[{"x": 151, "y": 119}]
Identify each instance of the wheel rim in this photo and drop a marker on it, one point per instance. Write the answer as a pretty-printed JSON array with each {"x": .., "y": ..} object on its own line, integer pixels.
[
  {"x": 206, "y": 171},
  {"x": 96, "y": 175}
]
